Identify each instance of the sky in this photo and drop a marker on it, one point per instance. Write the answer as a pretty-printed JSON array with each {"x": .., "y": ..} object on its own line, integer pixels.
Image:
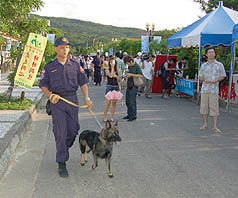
[{"x": 165, "y": 14}]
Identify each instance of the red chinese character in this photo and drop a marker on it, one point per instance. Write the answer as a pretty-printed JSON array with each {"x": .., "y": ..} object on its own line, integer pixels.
[
  {"x": 27, "y": 55},
  {"x": 33, "y": 64},
  {"x": 21, "y": 74},
  {"x": 23, "y": 67},
  {"x": 25, "y": 62},
  {"x": 29, "y": 77},
  {"x": 36, "y": 58},
  {"x": 32, "y": 70}
]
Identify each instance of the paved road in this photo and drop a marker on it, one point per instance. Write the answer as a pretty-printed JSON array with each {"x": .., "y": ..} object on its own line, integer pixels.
[{"x": 162, "y": 155}]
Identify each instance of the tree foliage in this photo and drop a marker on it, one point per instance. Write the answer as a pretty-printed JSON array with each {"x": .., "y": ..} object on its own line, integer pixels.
[
  {"x": 16, "y": 22},
  {"x": 209, "y": 5},
  {"x": 15, "y": 18},
  {"x": 78, "y": 31}
]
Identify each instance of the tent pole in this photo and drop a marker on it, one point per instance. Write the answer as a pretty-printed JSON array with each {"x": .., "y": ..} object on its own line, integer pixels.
[
  {"x": 233, "y": 57},
  {"x": 167, "y": 54},
  {"x": 199, "y": 65}
]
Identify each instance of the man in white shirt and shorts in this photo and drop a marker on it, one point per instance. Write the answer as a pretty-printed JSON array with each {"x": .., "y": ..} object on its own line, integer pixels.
[{"x": 211, "y": 73}]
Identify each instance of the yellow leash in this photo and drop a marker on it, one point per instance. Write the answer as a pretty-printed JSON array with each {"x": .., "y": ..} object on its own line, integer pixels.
[
  {"x": 69, "y": 102},
  {"x": 84, "y": 107}
]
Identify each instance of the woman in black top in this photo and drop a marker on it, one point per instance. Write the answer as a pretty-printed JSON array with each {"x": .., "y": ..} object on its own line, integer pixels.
[
  {"x": 113, "y": 77},
  {"x": 166, "y": 75}
]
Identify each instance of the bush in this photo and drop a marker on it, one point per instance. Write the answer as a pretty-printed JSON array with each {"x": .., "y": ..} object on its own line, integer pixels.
[{"x": 14, "y": 103}]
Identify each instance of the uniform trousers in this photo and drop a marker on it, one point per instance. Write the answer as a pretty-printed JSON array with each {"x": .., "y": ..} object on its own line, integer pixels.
[
  {"x": 97, "y": 75},
  {"x": 65, "y": 126}
]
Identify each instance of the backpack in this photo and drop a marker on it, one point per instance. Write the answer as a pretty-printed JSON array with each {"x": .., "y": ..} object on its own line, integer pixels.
[{"x": 160, "y": 72}]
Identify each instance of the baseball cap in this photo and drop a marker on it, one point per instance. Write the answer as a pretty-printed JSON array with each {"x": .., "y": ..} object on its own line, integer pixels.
[
  {"x": 139, "y": 54},
  {"x": 61, "y": 41}
]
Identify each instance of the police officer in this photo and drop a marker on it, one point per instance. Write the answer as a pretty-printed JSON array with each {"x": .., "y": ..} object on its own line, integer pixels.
[
  {"x": 62, "y": 77},
  {"x": 96, "y": 63}
]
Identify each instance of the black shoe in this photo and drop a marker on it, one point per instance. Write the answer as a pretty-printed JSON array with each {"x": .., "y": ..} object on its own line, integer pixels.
[
  {"x": 62, "y": 169},
  {"x": 139, "y": 94},
  {"x": 131, "y": 119},
  {"x": 126, "y": 117}
]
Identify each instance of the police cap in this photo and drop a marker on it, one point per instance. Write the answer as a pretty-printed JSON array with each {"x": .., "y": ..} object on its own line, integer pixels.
[{"x": 61, "y": 41}]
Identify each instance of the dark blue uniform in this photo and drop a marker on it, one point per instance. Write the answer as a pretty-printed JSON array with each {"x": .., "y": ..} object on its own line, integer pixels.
[
  {"x": 97, "y": 70},
  {"x": 64, "y": 79}
]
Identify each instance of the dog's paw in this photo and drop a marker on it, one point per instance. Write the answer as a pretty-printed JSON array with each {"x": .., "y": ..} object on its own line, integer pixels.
[
  {"x": 82, "y": 164},
  {"x": 110, "y": 175},
  {"x": 94, "y": 167}
]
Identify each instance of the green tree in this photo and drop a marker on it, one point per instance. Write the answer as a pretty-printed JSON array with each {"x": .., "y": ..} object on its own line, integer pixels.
[
  {"x": 16, "y": 21},
  {"x": 49, "y": 53},
  {"x": 209, "y": 5}
]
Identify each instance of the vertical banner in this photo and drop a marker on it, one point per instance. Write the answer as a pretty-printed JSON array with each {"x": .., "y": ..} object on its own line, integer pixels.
[
  {"x": 110, "y": 51},
  {"x": 145, "y": 44},
  {"x": 158, "y": 39},
  {"x": 51, "y": 38},
  {"x": 30, "y": 61}
]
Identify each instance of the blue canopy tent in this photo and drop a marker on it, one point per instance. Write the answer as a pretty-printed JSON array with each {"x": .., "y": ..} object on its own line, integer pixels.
[
  {"x": 214, "y": 29},
  {"x": 233, "y": 58}
]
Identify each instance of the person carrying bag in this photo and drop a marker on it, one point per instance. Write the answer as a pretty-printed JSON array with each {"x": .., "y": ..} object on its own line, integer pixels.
[{"x": 134, "y": 70}]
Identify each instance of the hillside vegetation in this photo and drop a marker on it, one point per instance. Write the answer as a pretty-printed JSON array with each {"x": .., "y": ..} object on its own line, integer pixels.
[{"x": 78, "y": 31}]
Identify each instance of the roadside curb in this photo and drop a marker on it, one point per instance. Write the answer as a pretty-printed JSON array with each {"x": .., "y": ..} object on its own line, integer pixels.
[{"x": 14, "y": 135}]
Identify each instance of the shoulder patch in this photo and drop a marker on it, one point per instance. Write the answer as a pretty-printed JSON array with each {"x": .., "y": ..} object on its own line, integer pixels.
[
  {"x": 81, "y": 69},
  {"x": 42, "y": 74}
]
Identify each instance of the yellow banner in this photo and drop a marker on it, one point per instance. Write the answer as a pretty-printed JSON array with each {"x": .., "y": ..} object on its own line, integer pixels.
[{"x": 30, "y": 61}]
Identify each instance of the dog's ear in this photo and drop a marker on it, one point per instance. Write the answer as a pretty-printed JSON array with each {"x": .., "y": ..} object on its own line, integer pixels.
[
  {"x": 116, "y": 124},
  {"x": 108, "y": 124}
]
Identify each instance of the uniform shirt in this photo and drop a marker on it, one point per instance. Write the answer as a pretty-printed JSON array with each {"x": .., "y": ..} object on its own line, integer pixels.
[
  {"x": 211, "y": 72},
  {"x": 62, "y": 78},
  {"x": 97, "y": 62},
  {"x": 147, "y": 70}
]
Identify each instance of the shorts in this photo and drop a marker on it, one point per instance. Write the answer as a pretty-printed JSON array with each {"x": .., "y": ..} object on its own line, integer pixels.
[
  {"x": 111, "y": 88},
  {"x": 209, "y": 101}
]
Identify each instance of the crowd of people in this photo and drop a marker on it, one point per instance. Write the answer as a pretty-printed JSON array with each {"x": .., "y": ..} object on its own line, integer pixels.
[
  {"x": 64, "y": 75},
  {"x": 117, "y": 73}
]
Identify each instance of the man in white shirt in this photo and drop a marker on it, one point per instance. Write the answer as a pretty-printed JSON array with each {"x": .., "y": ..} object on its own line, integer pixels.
[
  {"x": 147, "y": 71},
  {"x": 138, "y": 59},
  {"x": 210, "y": 73}
]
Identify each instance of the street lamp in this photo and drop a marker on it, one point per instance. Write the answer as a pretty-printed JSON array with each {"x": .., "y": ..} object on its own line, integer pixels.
[{"x": 149, "y": 31}]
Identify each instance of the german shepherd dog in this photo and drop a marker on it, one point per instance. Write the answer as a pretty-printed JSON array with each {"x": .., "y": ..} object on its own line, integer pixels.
[{"x": 100, "y": 144}]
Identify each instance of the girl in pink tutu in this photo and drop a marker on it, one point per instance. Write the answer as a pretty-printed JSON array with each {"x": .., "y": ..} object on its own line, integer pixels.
[{"x": 112, "y": 93}]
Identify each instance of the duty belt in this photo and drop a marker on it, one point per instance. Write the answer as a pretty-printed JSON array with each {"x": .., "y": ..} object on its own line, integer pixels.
[{"x": 62, "y": 94}]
